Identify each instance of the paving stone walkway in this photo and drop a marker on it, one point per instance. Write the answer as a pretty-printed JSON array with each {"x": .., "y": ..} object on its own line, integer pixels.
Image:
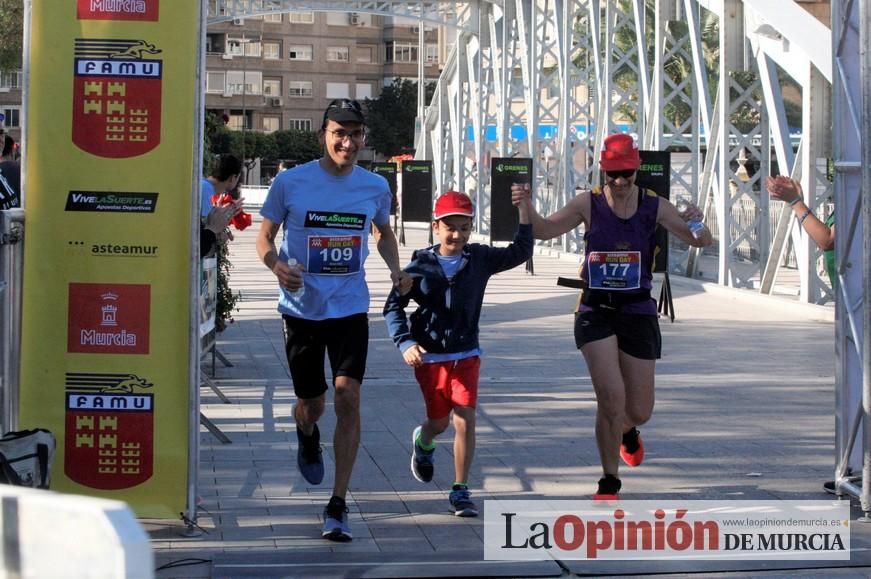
[{"x": 745, "y": 410}]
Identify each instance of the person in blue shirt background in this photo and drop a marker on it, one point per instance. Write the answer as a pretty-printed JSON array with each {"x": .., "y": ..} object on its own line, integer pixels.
[{"x": 224, "y": 178}]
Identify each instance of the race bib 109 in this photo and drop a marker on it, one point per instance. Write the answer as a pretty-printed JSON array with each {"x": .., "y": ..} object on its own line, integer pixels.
[{"x": 334, "y": 254}]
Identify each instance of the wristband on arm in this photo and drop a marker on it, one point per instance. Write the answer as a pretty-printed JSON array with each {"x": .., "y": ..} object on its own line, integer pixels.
[{"x": 804, "y": 216}]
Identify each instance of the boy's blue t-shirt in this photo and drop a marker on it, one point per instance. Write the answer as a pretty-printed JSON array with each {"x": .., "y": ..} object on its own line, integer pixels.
[
  {"x": 450, "y": 264},
  {"x": 326, "y": 221}
]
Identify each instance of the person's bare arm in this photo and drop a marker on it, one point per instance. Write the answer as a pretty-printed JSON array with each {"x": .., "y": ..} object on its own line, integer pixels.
[
  {"x": 789, "y": 191},
  {"x": 289, "y": 278},
  {"x": 675, "y": 222},
  {"x": 388, "y": 249},
  {"x": 563, "y": 220}
]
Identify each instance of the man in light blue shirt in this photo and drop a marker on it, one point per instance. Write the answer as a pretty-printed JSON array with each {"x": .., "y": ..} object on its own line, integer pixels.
[{"x": 327, "y": 208}]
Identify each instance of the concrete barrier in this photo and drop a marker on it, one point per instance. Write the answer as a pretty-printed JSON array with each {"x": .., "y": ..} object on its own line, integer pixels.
[{"x": 48, "y": 534}]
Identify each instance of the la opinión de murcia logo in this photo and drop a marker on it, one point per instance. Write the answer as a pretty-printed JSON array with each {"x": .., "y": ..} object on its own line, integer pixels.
[
  {"x": 116, "y": 97},
  {"x": 108, "y": 318},
  {"x": 138, "y": 10},
  {"x": 538, "y": 530}
]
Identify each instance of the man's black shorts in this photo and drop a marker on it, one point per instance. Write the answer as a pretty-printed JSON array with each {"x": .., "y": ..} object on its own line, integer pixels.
[
  {"x": 637, "y": 335},
  {"x": 344, "y": 340}
]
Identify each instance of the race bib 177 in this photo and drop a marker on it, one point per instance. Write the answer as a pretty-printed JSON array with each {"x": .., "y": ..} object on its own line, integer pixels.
[{"x": 614, "y": 270}]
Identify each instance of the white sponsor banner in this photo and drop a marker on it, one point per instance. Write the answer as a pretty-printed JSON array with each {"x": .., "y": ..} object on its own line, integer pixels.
[
  {"x": 208, "y": 295},
  {"x": 781, "y": 530}
]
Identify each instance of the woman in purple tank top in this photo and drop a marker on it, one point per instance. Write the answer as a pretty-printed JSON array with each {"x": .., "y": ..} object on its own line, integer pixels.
[{"x": 616, "y": 326}]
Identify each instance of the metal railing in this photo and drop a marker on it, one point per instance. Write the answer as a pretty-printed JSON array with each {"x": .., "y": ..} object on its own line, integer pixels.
[{"x": 11, "y": 261}]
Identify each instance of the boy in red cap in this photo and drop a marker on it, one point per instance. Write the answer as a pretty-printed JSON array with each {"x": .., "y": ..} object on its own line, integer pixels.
[
  {"x": 442, "y": 342},
  {"x": 616, "y": 326}
]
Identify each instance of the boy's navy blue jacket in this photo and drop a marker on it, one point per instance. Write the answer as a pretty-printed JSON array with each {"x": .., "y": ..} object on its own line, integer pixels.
[{"x": 446, "y": 320}]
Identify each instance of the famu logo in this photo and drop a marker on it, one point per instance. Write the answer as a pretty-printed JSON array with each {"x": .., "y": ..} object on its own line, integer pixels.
[
  {"x": 114, "y": 202},
  {"x": 334, "y": 220},
  {"x": 505, "y": 167},
  {"x": 117, "y": 96},
  {"x": 109, "y": 428}
]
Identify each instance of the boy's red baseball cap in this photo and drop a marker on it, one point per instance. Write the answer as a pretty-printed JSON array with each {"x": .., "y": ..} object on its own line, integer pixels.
[
  {"x": 619, "y": 152},
  {"x": 453, "y": 203}
]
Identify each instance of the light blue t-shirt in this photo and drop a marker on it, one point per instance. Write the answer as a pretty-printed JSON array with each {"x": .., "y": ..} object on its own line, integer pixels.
[
  {"x": 206, "y": 192},
  {"x": 326, "y": 221},
  {"x": 450, "y": 264}
]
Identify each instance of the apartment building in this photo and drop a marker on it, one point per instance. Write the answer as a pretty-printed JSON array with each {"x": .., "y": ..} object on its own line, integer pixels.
[
  {"x": 279, "y": 71},
  {"x": 11, "y": 97},
  {"x": 821, "y": 9}
]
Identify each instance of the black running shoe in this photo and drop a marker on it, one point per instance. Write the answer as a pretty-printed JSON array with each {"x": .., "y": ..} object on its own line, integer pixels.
[
  {"x": 336, "y": 526},
  {"x": 309, "y": 456},
  {"x": 609, "y": 489},
  {"x": 422, "y": 467}
]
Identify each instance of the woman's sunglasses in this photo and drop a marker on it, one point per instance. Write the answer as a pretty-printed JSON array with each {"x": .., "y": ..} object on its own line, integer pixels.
[{"x": 625, "y": 173}]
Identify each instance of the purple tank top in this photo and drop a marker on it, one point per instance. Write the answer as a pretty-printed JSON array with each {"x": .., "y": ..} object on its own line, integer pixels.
[{"x": 619, "y": 253}]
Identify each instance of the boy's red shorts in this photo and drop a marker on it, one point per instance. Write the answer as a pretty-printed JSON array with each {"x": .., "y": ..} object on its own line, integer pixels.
[{"x": 448, "y": 384}]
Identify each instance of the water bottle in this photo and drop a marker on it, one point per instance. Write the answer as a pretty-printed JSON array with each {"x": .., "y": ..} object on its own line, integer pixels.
[
  {"x": 301, "y": 291},
  {"x": 695, "y": 226}
]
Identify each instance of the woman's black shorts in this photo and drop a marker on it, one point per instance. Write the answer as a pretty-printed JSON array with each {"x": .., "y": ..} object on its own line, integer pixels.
[{"x": 637, "y": 335}]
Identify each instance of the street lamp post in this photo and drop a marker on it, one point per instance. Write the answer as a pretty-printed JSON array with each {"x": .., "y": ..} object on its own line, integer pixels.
[{"x": 244, "y": 42}]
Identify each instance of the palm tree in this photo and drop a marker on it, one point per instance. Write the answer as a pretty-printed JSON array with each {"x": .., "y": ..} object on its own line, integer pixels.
[{"x": 11, "y": 34}]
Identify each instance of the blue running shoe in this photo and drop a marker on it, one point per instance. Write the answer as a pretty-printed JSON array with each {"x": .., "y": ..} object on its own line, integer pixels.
[
  {"x": 421, "y": 460},
  {"x": 336, "y": 522},
  {"x": 309, "y": 456},
  {"x": 461, "y": 501}
]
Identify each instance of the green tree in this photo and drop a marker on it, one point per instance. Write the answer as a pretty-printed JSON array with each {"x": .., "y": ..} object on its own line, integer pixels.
[
  {"x": 213, "y": 124},
  {"x": 11, "y": 34},
  {"x": 746, "y": 116},
  {"x": 295, "y": 146},
  {"x": 247, "y": 145},
  {"x": 626, "y": 77},
  {"x": 390, "y": 117}
]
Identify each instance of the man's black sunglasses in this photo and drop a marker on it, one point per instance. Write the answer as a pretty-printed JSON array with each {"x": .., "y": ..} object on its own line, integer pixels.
[{"x": 625, "y": 173}]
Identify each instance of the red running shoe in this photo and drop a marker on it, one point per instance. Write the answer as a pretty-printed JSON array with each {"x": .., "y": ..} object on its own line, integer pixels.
[
  {"x": 609, "y": 489},
  {"x": 632, "y": 449}
]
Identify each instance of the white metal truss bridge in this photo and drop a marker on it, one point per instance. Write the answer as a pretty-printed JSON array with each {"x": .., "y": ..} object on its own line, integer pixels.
[{"x": 736, "y": 86}]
